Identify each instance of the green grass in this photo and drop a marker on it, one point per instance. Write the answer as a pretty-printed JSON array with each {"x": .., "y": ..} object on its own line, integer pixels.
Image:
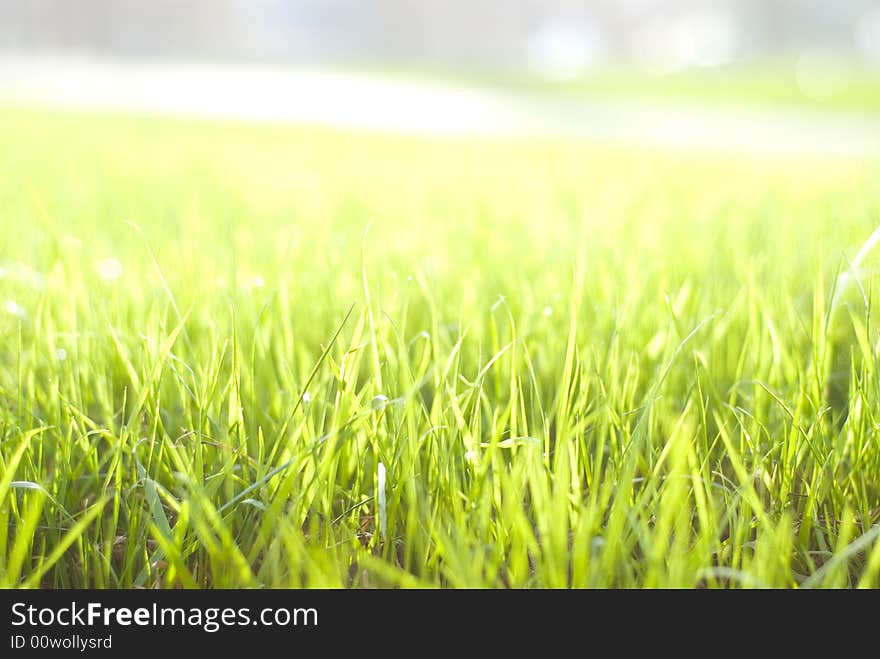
[
  {"x": 761, "y": 85},
  {"x": 578, "y": 367}
]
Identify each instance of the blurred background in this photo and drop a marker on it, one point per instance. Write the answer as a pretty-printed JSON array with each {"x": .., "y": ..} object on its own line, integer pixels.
[
  {"x": 211, "y": 57},
  {"x": 552, "y": 38}
]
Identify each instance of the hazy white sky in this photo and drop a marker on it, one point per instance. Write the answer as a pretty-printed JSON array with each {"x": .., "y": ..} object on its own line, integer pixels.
[{"x": 558, "y": 38}]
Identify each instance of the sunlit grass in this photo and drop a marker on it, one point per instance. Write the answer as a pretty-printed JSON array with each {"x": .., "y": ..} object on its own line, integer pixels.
[
  {"x": 766, "y": 85},
  {"x": 240, "y": 356}
]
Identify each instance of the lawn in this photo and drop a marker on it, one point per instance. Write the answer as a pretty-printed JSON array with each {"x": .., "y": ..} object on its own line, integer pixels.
[
  {"x": 765, "y": 85},
  {"x": 780, "y": 84},
  {"x": 254, "y": 356}
]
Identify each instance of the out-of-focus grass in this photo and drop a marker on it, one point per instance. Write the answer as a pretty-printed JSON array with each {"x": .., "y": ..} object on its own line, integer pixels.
[
  {"x": 577, "y": 367},
  {"x": 857, "y": 89},
  {"x": 765, "y": 85}
]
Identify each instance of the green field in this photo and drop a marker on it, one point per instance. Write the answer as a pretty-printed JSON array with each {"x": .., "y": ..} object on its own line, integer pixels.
[
  {"x": 760, "y": 85},
  {"x": 767, "y": 85},
  {"x": 242, "y": 356}
]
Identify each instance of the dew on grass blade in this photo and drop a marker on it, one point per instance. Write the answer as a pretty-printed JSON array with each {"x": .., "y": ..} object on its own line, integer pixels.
[
  {"x": 109, "y": 269},
  {"x": 23, "y": 274},
  {"x": 255, "y": 281},
  {"x": 25, "y": 485},
  {"x": 14, "y": 308},
  {"x": 379, "y": 402}
]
